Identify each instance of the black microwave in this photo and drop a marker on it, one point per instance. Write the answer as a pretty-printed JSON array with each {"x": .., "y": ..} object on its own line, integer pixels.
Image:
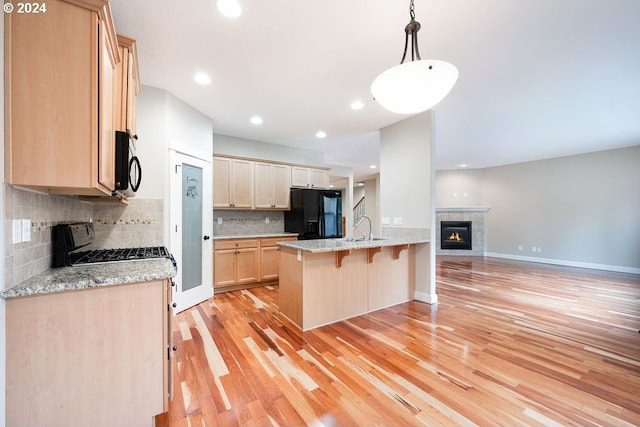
[{"x": 128, "y": 172}]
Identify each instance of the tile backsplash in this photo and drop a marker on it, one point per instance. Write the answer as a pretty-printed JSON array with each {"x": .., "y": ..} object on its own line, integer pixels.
[
  {"x": 237, "y": 222},
  {"x": 138, "y": 224}
]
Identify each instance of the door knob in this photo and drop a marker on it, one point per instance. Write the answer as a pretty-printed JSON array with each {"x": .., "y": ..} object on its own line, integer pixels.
[{"x": 206, "y": 237}]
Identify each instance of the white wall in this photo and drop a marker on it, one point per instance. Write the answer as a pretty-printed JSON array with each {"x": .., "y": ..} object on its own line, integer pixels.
[
  {"x": 406, "y": 191},
  {"x": 153, "y": 142},
  {"x": 456, "y": 188},
  {"x": 405, "y": 171},
  {"x": 164, "y": 122},
  {"x": 580, "y": 210}
]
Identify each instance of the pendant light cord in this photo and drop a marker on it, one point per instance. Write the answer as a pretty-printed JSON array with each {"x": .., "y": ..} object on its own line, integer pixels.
[{"x": 411, "y": 30}]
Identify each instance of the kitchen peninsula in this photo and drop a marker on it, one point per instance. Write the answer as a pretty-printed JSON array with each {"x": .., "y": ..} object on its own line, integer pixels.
[{"x": 328, "y": 280}]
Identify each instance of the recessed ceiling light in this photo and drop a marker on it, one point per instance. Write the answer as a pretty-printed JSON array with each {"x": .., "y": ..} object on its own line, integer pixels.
[
  {"x": 321, "y": 134},
  {"x": 229, "y": 8},
  {"x": 360, "y": 184},
  {"x": 256, "y": 120},
  {"x": 372, "y": 166},
  {"x": 463, "y": 165},
  {"x": 202, "y": 78},
  {"x": 357, "y": 105}
]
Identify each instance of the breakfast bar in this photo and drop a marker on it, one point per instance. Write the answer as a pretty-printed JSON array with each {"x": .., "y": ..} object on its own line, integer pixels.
[{"x": 328, "y": 280}]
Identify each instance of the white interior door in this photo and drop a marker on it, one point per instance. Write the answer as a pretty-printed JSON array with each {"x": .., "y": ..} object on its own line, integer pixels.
[{"x": 191, "y": 222}]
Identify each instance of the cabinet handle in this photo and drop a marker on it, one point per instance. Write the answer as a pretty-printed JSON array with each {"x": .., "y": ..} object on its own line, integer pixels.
[
  {"x": 173, "y": 284},
  {"x": 174, "y": 348}
]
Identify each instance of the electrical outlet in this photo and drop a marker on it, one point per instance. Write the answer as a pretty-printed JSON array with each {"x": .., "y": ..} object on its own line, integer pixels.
[
  {"x": 266, "y": 220},
  {"x": 219, "y": 221},
  {"x": 26, "y": 230},
  {"x": 533, "y": 249},
  {"x": 397, "y": 220},
  {"x": 16, "y": 231},
  {"x": 519, "y": 247}
]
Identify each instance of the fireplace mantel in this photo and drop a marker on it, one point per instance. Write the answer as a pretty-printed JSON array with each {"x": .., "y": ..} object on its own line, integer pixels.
[{"x": 464, "y": 209}]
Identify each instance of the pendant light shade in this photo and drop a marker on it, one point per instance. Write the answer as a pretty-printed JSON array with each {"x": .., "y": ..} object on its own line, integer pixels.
[
  {"x": 417, "y": 85},
  {"x": 414, "y": 86}
]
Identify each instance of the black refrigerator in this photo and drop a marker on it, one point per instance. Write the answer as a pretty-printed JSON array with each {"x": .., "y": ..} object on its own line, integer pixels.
[{"x": 314, "y": 214}]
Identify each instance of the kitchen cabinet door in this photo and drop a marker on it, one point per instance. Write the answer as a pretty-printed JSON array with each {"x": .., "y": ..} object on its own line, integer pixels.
[
  {"x": 58, "y": 98},
  {"x": 270, "y": 257},
  {"x": 281, "y": 179},
  {"x": 106, "y": 139},
  {"x": 319, "y": 178},
  {"x": 242, "y": 183},
  {"x": 236, "y": 262},
  {"x": 263, "y": 183},
  {"x": 232, "y": 183},
  {"x": 300, "y": 176},
  {"x": 248, "y": 266},
  {"x": 221, "y": 182},
  {"x": 306, "y": 177},
  {"x": 271, "y": 185},
  {"x": 269, "y": 262},
  {"x": 128, "y": 86},
  {"x": 225, "y": 266}
]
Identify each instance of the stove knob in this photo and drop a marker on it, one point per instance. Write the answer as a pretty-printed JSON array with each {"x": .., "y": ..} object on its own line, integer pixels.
[{"x": 206, "y": 237}]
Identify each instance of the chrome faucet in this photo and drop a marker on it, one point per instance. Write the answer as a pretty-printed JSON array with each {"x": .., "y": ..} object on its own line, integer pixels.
[{"x": 370, "y": 227}]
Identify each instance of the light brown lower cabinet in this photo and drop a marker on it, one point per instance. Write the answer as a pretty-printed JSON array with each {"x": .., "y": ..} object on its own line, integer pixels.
[
  {"x": 91, "y": 357},
  {"x": 245, "y": 262}
]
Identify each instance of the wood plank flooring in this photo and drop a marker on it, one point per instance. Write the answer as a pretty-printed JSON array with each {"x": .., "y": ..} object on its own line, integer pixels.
[{"x": 510, "y": 343}]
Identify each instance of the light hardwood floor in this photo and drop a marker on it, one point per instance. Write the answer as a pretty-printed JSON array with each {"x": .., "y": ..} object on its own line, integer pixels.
[{"x": 510, "y": 343}]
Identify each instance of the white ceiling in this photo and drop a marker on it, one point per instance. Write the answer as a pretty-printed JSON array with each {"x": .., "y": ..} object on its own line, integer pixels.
[{"x": 538, "y": 78}]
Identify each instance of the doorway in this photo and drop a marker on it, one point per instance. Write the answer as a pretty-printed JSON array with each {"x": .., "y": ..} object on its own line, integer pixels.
[{"x": 191, "y": 228}]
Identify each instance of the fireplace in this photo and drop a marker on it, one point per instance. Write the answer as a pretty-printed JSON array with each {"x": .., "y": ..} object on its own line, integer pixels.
[{"x": 455, "y": 235}]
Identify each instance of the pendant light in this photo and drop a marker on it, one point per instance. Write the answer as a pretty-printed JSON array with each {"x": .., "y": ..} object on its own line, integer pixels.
[{"x": 417, "y": 85}]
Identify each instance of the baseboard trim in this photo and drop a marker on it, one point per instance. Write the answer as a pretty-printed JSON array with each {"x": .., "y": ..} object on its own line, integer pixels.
[
  {"x": 593, "y": 266},
  {"x": 428, "y": 298}
]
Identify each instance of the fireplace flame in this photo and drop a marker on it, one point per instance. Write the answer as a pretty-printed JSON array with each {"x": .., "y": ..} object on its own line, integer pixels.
[{"x": 455, "y": 236}]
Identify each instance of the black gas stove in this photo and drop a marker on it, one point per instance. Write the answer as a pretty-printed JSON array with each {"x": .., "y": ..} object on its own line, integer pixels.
[
  {"x": 68, "y": 238},
  {"x": 114, "y": 255}
]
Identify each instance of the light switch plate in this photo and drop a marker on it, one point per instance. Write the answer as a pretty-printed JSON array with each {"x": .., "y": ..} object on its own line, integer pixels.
[
  {"x": 16, "y": 231},
  {"x": 385, "y": 220},
  {"x": 26, "y": 230}
]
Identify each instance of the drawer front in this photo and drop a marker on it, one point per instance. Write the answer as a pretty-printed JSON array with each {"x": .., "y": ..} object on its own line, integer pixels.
[{"x": 235, "y": 244}]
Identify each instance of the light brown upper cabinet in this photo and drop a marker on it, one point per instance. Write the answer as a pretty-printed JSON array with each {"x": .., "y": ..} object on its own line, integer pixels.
[
  {"x": 272, "y": 182},
  {"x": 59, "y": 86},
  {"x": 127, "y": 86},
  {"x": 309, "y": 177},
  {"x": 232, "y": 183}
]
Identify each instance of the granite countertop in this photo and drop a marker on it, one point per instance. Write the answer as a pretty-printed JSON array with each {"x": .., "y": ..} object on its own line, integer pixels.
[
  {"x": 253, "y": 236},
  {"x": 333, "y": 245},
  {"x": 93, "y": 276}
]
